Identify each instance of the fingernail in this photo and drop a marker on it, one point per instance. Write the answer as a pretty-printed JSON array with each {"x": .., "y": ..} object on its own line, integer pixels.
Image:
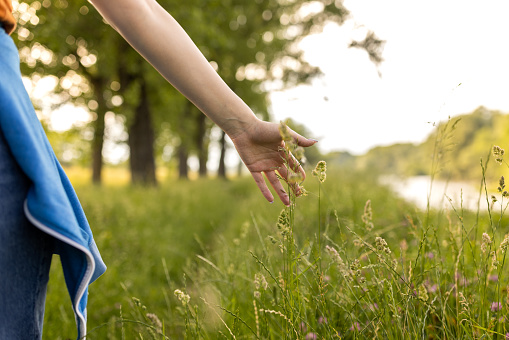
[
  {"x": 271, "y": 202},
  {"x": 314, "y": 140}
]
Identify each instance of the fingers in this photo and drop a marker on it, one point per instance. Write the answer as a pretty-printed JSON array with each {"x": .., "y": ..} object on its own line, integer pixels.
[
  {"x": 278, "y": 187},
  {"x": 260, "y": 182}
]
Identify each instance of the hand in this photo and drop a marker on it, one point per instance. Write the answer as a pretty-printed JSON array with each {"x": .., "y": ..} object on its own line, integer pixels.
[{"x": 261, "y": 148}]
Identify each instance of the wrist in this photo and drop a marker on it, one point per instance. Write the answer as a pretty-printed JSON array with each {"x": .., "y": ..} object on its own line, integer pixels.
[{"x": 237, "y": 120}]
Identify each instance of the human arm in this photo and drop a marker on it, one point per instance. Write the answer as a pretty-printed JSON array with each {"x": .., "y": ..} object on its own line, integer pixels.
[{"x": 157, "y": 36}]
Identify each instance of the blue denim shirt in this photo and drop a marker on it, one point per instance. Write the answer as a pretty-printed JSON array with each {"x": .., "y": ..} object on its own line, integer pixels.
[{"x": 51, "y": 204}]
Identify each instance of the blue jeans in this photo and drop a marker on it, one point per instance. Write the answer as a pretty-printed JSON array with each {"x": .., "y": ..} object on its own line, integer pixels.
[{"x": 25, "y": 256}]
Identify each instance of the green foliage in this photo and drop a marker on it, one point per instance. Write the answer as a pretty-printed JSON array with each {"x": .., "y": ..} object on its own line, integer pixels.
[
  {"x": 250, "y": 42},
  {"x": 471, "y": 140},
  {"x": 246, "y": 269}
]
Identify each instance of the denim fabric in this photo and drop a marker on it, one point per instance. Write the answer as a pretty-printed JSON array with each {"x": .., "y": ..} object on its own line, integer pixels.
[{"x": 25, "y": 256}]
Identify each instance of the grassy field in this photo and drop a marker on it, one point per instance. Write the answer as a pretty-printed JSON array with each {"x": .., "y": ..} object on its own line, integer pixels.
[{"x": 210, "y": 259}]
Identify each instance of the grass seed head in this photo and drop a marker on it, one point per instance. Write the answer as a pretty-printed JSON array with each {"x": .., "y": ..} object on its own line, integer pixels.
[
  {"x": 367, "y": 217},
  {"x": 504, "y": 244},
  {"x": 320, "y": 171},
  {"x": 381, "y": 245},
  {"x": 295, "y": 177},
  {"x": 183, "y": 297},
  {"x": 423, "y": 292},
  {"x": 285, "y": 132},
  {"x": 486, "y": 241},
  {"x": 155, "y": 321},
  {"x": 501, "y": 184},
  {"x": 494, "y": 261},
  {"x": 498, "y": 152}
]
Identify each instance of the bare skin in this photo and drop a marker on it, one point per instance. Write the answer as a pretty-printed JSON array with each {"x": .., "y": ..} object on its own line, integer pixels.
[{"x": 158, "y": 37}]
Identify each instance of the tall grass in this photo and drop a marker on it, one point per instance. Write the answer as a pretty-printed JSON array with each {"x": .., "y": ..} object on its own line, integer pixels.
[{"x": 348, "y": 261}]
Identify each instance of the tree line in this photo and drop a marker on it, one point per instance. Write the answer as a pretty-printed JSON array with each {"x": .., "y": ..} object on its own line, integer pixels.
[
  {"x": 456, "y": 146},
  {"x": 249, "y": 43}
]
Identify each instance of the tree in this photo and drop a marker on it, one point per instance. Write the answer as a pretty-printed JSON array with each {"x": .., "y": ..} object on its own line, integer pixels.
[
  {"x": 249, "y": 43},
  {"x": 70, "y": 54},
  {"x": 254, "y": 43}
]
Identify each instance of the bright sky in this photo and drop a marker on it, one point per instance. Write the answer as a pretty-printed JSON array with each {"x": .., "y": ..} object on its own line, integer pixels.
[{"x": 432, "y": 46}]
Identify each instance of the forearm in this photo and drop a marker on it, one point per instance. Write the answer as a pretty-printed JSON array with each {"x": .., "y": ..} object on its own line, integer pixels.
[{"x": 158, "y": 37}]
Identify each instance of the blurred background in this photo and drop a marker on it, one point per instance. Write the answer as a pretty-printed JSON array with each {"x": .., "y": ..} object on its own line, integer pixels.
[
  {"x": 371, "y": 80},
  {"x": 397, "y": 92}
]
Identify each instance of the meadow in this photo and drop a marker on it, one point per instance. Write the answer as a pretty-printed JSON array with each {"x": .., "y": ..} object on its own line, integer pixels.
[{"x": 211, "y": 259}]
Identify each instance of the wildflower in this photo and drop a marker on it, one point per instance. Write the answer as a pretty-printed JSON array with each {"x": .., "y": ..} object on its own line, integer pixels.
[
  {"x": 257, "y": 294},
  {"x": 322, "y": 319},
  {"x": 381, "y": 245},
  {"x": 493, "y": 278},
  {"x": 486, "y": 241},
  {"x": 498, "y": 152},
  {"x": 504, "y": 244},
  {"x": 373, "y": 306},
  {"x": 423, "y": 293},
  {"x": 433, "y": 288},
  {"x": 155, "y": 321},
  {"x": 184, "y": 298},
  {"x": 355, "y": 327},
  {"x": 496, "y": 306},
  {"x": 303, "y": 327},
  {"x": 367, "y": 217},
  {"x": 320, "y": 171},
  {"x": 311, "y": 336}
]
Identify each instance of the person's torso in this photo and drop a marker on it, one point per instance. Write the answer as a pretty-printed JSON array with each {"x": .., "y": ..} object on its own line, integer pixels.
[{"x": 6, "y": 18}]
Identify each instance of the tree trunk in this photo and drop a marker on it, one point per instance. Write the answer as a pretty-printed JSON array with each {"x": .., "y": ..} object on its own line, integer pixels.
[
  {"x": 98, "y": 141},
  {"x": 221, "y": 169},
  {"x": 141, "y": 141},
  {"x": 183, "y": 155},
  {"x": 202, "y": 143}
]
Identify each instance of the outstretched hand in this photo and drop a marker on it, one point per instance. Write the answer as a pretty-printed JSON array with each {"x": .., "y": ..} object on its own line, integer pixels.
[{"x": 261, "y": 148}]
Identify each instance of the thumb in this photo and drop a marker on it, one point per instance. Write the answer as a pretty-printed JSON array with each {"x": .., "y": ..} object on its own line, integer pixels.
[{"x": 302, "y": 141}]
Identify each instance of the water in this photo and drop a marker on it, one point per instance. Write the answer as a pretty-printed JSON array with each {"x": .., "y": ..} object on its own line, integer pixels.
[{"x": 415, "y": 189}]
